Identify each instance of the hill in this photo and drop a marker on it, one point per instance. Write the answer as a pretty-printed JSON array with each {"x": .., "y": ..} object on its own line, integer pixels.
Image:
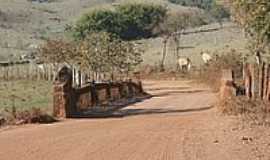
[{"x": 25, "y": 24}]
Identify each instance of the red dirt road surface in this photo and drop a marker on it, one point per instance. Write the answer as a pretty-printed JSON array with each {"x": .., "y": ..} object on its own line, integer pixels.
[{"x": 178, "y": 123}]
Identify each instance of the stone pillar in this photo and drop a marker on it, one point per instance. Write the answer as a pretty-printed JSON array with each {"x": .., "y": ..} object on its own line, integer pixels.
[
  {"x": 266, "y": 81},
  {"x": 63, "y": 101},
  {"x": 227, "y": 89}
]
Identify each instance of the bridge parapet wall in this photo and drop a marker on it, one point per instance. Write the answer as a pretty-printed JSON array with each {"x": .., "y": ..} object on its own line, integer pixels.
[{"x": 70, "y": 101}]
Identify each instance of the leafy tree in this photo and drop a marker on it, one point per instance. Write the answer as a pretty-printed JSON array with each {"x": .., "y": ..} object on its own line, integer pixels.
[
  {"x": 99, "y": 52},
  {"x": 105, "y": 53},
  {"x": 254, "y": 17},
  {"x": 128, "y": 21},
  {"x": 57, "y": 51},
  {"x": 98, "y": 20},
  {"x": 140, "y": 19}
]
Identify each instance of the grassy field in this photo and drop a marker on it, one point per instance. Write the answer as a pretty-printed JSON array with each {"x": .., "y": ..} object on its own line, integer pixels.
[
  {"x": 25, "y": 95},
  {"x": 216, "y": 42}
]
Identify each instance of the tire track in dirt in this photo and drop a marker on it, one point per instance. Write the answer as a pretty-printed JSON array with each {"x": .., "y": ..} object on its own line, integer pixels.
[{"x": 150, "y": 130}]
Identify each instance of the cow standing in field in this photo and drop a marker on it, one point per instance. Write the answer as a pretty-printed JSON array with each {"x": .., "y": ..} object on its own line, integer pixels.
[
  {"x": 206, "y": 57},
  {"x": 184, "y": 64}
]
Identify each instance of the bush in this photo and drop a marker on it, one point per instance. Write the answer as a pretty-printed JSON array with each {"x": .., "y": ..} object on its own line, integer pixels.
[
  {"x": 98, "y": 20},
  {"x": 128, "y": 21},
  {"x": 210, "y": 73}
]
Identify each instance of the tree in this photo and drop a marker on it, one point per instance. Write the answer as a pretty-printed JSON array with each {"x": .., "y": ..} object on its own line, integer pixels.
[
  {"x": 99, "y": 52},
  {"x": 254, "y": 17},
  {"x": 57, "y": 51},
  {"x": 128, "y": 21},
  {"x": 105, "y": 53}
]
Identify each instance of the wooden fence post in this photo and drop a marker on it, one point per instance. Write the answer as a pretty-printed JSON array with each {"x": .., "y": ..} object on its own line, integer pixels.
[
  {"x": 266, "y": 81},
  {"x": 267, "y": 95},
  {"x": 261, "y": 80},
  {"x": 253, "y": 81},
  {"x": 247, "y": 80}
]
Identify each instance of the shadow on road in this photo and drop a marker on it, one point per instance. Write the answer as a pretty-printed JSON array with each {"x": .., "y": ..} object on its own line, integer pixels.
[
  {"x": 134, "y": 112},
  {"x": 168, "y": 93},
  {"x": 166, "y": 88},
  {"x": 120, "y": 110}
]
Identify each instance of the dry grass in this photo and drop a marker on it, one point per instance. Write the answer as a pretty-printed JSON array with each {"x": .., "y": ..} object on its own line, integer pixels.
[
  {"x": 24, "y": 102},
  {"x": 210, "y": 74},
  {"x": 215, "y": 42},
  {"x": 23, "y": 95},
  {"x": 253, "y": 112}
]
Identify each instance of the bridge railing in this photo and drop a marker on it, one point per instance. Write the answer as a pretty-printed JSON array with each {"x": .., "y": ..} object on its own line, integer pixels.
[{"x": 70, "y": 101}]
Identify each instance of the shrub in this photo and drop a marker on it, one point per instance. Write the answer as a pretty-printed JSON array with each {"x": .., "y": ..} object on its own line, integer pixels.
[
  {"x": 128, "y": 21},
  {"x": 210, "y": 73},
  {"x": 140, "y": 19},
  {"x": 98, "y": 20}
]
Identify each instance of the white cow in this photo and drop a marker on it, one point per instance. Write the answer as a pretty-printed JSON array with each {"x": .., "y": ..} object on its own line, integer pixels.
[
  {"x": 184, "y": 64},
  {"x": 206, "y": 57}
]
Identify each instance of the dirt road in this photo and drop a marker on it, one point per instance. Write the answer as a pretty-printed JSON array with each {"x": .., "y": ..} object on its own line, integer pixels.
[{"x": 177, "y": 123}]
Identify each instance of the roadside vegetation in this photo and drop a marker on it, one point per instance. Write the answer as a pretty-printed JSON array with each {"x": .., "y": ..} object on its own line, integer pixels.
[
  {"x": 25, "y": 102},
  {"x": 253, "y": 17}
]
